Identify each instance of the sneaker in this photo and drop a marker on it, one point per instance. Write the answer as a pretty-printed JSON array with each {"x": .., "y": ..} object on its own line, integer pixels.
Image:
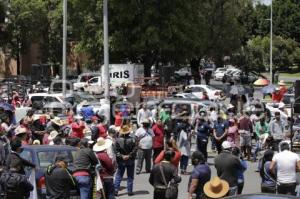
[{"x": 116, "y": 193}]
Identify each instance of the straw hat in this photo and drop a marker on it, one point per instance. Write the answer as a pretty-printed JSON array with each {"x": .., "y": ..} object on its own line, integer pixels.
[
  {"x": 281, "y": 83},
  {"x": 216, "y": 188},
  {"x": 57, "y": 121},
  {"x": 102, "y": 144},
  {"x": 20, "y": 130},
  {"x": 53, "y": 135},
  {"x": 230, "y": 106},
  {"x": 36, "y": 142},
  {"x": 125, "y": 130}
]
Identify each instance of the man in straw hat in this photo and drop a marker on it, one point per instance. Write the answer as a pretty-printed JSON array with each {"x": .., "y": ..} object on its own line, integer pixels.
[
  {"x": 227, "y": 166},
  {"x": 126, "y": 149},
  {"x": 215, "y": 188},
  {"x": 108, "y": 168},
  {"x": 145, "y": 137}
]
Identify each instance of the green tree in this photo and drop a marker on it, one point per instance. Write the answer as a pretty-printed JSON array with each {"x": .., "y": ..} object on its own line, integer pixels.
[{"x": 25, "y": 22}]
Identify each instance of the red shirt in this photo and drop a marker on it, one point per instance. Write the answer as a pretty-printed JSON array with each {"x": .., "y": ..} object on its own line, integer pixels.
[
  {"x": 158, "y": 140},
  {"x": 107, "y": 164},
  {"x": 175, "y": 161},
  {"x": 77, "y": 130},
  {"x": 277, "y": 97}
]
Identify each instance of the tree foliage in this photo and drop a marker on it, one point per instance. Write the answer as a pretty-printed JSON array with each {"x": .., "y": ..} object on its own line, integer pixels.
[
  {"x": 257, "y": 53},
  {"x": 152, "y": 31}
]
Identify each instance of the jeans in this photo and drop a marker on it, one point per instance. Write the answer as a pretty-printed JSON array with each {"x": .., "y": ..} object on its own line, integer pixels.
[
  {"x": 287, "y": 189},
  {"x": 84, "y": 185},
  {"x": 144, "y": 154},
  {"x": 184, "y": 162},
  {"x": 202, "y": 146},
  {"x": 219, "y": 144},
  {"x": 232, "y": 191},
  {"x": 275, "y": 145},
  {"x": 122, "y": 166},
  {"x": 108, "y": 185}
]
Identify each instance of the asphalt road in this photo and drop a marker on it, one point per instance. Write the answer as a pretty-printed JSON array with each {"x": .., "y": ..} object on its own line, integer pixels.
[{"x": 143, "y": 189}]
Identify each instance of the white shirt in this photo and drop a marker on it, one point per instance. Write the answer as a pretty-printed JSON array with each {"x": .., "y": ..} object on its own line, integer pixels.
[
  {"x": 145, "y": 138},
  {"x": 142, "y": 115},
  {"x": 286, "y": 162},
  {"x": 213, "y": 116}
]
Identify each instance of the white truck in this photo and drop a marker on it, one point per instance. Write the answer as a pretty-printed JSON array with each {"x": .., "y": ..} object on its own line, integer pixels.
[{"x": 119, "y": 74}]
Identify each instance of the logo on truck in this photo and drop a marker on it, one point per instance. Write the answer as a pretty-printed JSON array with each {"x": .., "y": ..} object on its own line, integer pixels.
[{"x": 120, "y": 74}]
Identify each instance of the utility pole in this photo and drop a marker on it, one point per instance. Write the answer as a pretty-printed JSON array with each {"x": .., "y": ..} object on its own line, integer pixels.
[
  {"x": 106, "y": 55},
  {"x": 64, "y": 58},
  {"x": 271, "y": 43}
]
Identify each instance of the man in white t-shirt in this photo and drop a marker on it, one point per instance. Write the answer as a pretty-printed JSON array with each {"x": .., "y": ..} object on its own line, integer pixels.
[
  {"x": 143, "y": 114},
  {"x": 145, "y": 138},
  {"x": 287, "y": 164}
]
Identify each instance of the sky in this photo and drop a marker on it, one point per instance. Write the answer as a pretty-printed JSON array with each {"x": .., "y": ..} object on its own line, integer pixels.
[{"x": 267, "y": 2}]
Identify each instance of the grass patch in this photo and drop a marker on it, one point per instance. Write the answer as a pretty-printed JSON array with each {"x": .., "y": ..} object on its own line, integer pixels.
[{"x": 290, "y": 74}]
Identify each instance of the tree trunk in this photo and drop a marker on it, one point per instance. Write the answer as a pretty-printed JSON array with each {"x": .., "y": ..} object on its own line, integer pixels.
[{"x": 195, "y": 63}]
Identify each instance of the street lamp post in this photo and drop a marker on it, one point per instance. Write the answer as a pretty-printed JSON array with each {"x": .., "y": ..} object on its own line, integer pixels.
[
  {"x": 271, "y": 43},
  {"x": 64, "y": 58}
]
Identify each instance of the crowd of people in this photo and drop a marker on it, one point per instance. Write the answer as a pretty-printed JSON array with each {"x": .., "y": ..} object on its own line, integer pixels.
[{"x": 162, "y": 142}]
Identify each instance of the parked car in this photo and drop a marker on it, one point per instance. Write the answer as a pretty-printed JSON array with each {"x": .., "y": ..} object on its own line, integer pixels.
[
  {"x": 198, "y": 90},
  {"x": 185, "y": 96},
  {"x": 94, "y": 86},
  {"x": 82, "y": 79},
  {"x": 219, "y": 74},
  {"x": 43, "y": 156},
  {"x": 186, "y": 71}
]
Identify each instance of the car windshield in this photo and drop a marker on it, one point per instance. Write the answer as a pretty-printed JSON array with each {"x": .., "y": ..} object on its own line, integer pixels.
[{"x": 47, "y": 158}]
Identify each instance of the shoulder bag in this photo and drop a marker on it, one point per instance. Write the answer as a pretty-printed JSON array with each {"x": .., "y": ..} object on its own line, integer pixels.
[{"x": 171, "y": 187}]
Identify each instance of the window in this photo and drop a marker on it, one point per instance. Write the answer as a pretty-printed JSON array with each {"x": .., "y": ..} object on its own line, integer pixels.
[
  {"x": 27, "y": 156},
  {"x": 47, "y": 158},
  {"x": 197, "y": 89},
  {"x": 94, "y": 80},
  {"x": 50, "y": 99},
  {"x": 37, "y": 99}
]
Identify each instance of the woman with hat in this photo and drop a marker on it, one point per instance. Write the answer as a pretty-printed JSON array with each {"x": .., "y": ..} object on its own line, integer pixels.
[
  {"x": 126, "y": 149},
  {"x": 215, "y": 188},
  {"x": 108, "y": 168},
  {"x": 282, "y": 87}
]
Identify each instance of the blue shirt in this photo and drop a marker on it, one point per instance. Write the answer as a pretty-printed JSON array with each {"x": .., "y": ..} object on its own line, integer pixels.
[
  {"x": 220, "y": 128},
  {"x": 202, "y": 173},
  {"x": 87, "y": 112},
  {"x": 203, "y": 130}
]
